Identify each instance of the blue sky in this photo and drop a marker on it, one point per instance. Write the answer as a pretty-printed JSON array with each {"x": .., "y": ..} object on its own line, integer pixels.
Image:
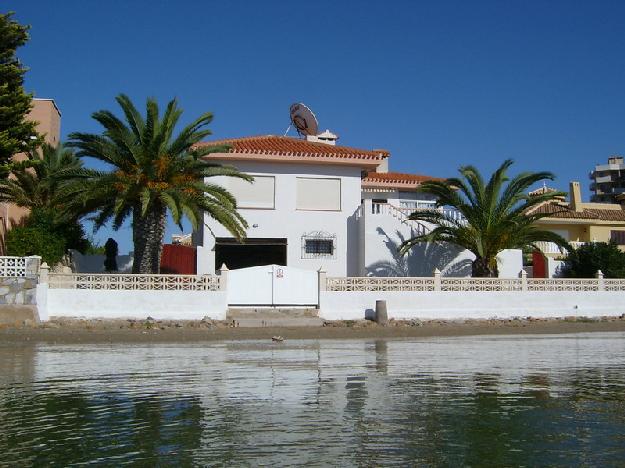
[{"x": 439, "y": 84}]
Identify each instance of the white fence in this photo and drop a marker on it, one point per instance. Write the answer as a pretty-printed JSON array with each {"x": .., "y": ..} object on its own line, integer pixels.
[
  {"x": 438, "y": 283},
  {"x": 131, "y": 296},
  {"x": 130, "y": 282},
  {"x": 19, "y": 267},
  {"x": 195, "y": 297}
]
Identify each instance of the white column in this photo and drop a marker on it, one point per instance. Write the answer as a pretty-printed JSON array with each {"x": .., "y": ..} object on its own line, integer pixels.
[
  {"x": 600, "y": 282},
  {"x": 437, "y": 279}
]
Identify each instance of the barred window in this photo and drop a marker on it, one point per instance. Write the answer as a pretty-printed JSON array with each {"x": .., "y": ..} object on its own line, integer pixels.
[
  {"x": 618, "y": 237},
  {"x": 318, "y": 245}
]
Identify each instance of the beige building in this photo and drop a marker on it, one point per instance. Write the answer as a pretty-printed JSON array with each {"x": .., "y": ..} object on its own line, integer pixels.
[
  {"x": 48, "y": 117},
  {"x": 580, "y": 222}
]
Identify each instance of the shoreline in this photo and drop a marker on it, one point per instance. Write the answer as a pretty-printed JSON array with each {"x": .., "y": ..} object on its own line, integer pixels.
[{"x": 131, "y": 331}]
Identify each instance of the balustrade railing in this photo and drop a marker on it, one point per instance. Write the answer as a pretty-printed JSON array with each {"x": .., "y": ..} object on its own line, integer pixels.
[
  {"x": 19, "y": 266},
  {"x": 130, "y": 282},
  {"x": 379, "y": 284},
  {"x": 405, "y": 211},
  {"x": 481, "y": 284},
  {"x": 552, "y": 247},
  {"x": 437, "y": 283},
  {"x": 566, "y": 284}
]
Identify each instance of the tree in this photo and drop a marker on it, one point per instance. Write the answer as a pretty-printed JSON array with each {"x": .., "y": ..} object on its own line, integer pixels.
[
  {"x": 497, "y": 215},
  {"x": 40, "y": 181},
  {"x": 154, "y": 172},
  {"x": 587, "y": 259},
  {"x": 16, "y": 133}
]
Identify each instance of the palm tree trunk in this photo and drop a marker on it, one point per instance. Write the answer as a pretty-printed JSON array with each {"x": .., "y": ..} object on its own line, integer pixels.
[
  {"x": 481, "y": 268},
  {"x": 147, "y": 236}
]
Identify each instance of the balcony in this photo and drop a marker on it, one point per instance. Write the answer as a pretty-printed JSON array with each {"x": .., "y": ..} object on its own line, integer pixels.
[
  {"x": 552, "y": 248},
  {"x": 603, "y": 179}
]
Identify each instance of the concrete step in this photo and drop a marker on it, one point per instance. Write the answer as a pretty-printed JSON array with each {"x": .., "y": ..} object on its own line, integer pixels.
[
  {"x": 271, "y": 312},
  {"x": 274, "y": 317},
  {"x": 260, "y": 322}
]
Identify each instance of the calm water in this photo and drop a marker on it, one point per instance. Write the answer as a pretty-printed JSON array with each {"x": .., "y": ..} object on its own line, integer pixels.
[{"x": 526, "y": 400}]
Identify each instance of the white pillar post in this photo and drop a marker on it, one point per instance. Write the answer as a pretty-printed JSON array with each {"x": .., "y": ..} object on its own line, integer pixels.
[
  {"x": 44, "y": 270},
  {"x": 223, "y": 277},
  {"x": 323, "y": 279},
  {"x": 600, "y": 282},
  {"x": 437, "y": 279},
  {"x": 523, "y": 280},
  {"x": 32, "y": 265}
]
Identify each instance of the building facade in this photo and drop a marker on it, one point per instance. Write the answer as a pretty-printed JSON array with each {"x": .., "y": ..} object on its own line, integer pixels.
[
  {"x": 608, "y": 180},
  {"x": 48, "y": 117},
  {"x": 316, "y": 205}
]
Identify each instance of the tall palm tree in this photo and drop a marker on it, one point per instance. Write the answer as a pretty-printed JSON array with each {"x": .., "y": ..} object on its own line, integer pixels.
[
  {"x": 153, "y": 172},
  {"x": 37, "y": 183},
  {"x": 497, "y": 215}
]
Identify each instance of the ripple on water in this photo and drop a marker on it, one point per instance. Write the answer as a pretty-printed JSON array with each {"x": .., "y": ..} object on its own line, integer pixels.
[{"x": 526, "y": 400}]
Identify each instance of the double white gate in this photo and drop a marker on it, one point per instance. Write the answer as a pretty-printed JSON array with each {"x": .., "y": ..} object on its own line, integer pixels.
[{"x": 273, "y": 285}]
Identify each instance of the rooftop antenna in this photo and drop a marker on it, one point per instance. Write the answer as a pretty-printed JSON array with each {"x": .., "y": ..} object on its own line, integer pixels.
[{"x": 303, "y": 119}]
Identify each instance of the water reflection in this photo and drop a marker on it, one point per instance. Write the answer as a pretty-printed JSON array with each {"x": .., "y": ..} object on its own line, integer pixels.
[{"x": 556, "y": 400}]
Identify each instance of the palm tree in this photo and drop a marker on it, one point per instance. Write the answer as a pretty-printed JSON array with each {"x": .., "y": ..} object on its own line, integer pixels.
[
  {"x": 37, "y": 183},
  {"x": 497, "y": 215},
  {"x": 153, "y": 172}
]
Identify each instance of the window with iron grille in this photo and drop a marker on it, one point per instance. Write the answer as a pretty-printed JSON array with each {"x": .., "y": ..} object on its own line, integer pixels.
[
  {"x": 318, "y": 245},
  {"x": 618, "y": 237}
]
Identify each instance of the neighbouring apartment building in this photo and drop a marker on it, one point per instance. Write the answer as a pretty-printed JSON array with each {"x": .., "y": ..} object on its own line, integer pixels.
[
  {"x": 48, "y": 117},
  {"x": 317, "y": 205},
  {"x": 608, "y": 180}
]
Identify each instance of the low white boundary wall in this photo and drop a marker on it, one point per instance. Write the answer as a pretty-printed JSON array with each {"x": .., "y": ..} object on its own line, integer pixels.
[
  {"x": 357, "y": 305},
  {"x": 90, "y": 303},
  {"x": 177, "y": 297}
]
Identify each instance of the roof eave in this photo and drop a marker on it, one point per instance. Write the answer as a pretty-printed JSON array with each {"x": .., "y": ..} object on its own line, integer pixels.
[{"x": 290, "y": 159}]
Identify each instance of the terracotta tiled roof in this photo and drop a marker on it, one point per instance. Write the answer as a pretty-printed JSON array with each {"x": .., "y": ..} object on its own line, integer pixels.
[
  {"x": 394, "y": 179},
  {"x": 272, "y": 145},
  {"x": 564, "y": 212}
]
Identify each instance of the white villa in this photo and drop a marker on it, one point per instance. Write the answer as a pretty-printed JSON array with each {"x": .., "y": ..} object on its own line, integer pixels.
[{"x": 317, "y": 205}]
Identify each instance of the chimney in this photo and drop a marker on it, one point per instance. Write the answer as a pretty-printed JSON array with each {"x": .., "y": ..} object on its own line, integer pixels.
[
  {"x": 575, "y": 201},
  {"x": 326, "y": 137}
]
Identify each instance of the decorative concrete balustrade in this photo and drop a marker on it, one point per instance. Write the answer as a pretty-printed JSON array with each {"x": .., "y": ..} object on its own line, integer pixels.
[
  {"x": 132, "y": 282},
  {"x": 19, "y": 267},
  {"x": 439, "y": 283}
]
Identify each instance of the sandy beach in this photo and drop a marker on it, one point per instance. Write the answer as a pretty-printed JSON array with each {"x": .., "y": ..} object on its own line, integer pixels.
[{"x": 150, "y": 331}]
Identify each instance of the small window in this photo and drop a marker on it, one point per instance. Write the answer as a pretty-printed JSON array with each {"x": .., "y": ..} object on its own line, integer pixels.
[
  {"x": 618, "y": 237},
  {"x": 318, "y": 245}
]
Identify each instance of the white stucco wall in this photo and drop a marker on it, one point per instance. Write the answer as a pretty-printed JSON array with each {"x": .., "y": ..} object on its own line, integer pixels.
[
  {"x": 285, "y": 221},
  {"x": 382, "y": 234},
  {"x": 342, "y": 305},
  {"x": 89, "y": 303}
]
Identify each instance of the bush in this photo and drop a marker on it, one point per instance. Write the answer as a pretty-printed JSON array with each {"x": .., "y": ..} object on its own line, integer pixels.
[
  {"x": 586, "y": 260},
  {"x": 24, "y": 241},
  {"x": 42, "y": 235}
]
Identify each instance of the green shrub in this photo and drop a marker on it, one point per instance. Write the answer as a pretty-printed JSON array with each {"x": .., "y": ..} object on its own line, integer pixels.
[
  {"x": 586, "y": 260},
  {"x": 24, "y": 241},
  {"x": 41, "y": 234}
]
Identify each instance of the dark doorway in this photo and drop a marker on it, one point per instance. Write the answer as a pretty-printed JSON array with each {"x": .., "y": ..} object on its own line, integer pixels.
[{"x": 252, "y": 252}]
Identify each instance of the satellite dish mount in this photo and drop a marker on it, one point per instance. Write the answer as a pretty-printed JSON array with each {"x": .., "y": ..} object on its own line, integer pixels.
[{"x": 303, "y": 119}]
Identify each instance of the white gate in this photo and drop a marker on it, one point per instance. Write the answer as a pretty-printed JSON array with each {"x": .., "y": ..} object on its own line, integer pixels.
[{"x": 273, "y": 285}]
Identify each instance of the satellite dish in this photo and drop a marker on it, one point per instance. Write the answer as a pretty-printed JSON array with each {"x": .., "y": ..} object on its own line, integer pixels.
[{"x": 303, "y": 119}]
